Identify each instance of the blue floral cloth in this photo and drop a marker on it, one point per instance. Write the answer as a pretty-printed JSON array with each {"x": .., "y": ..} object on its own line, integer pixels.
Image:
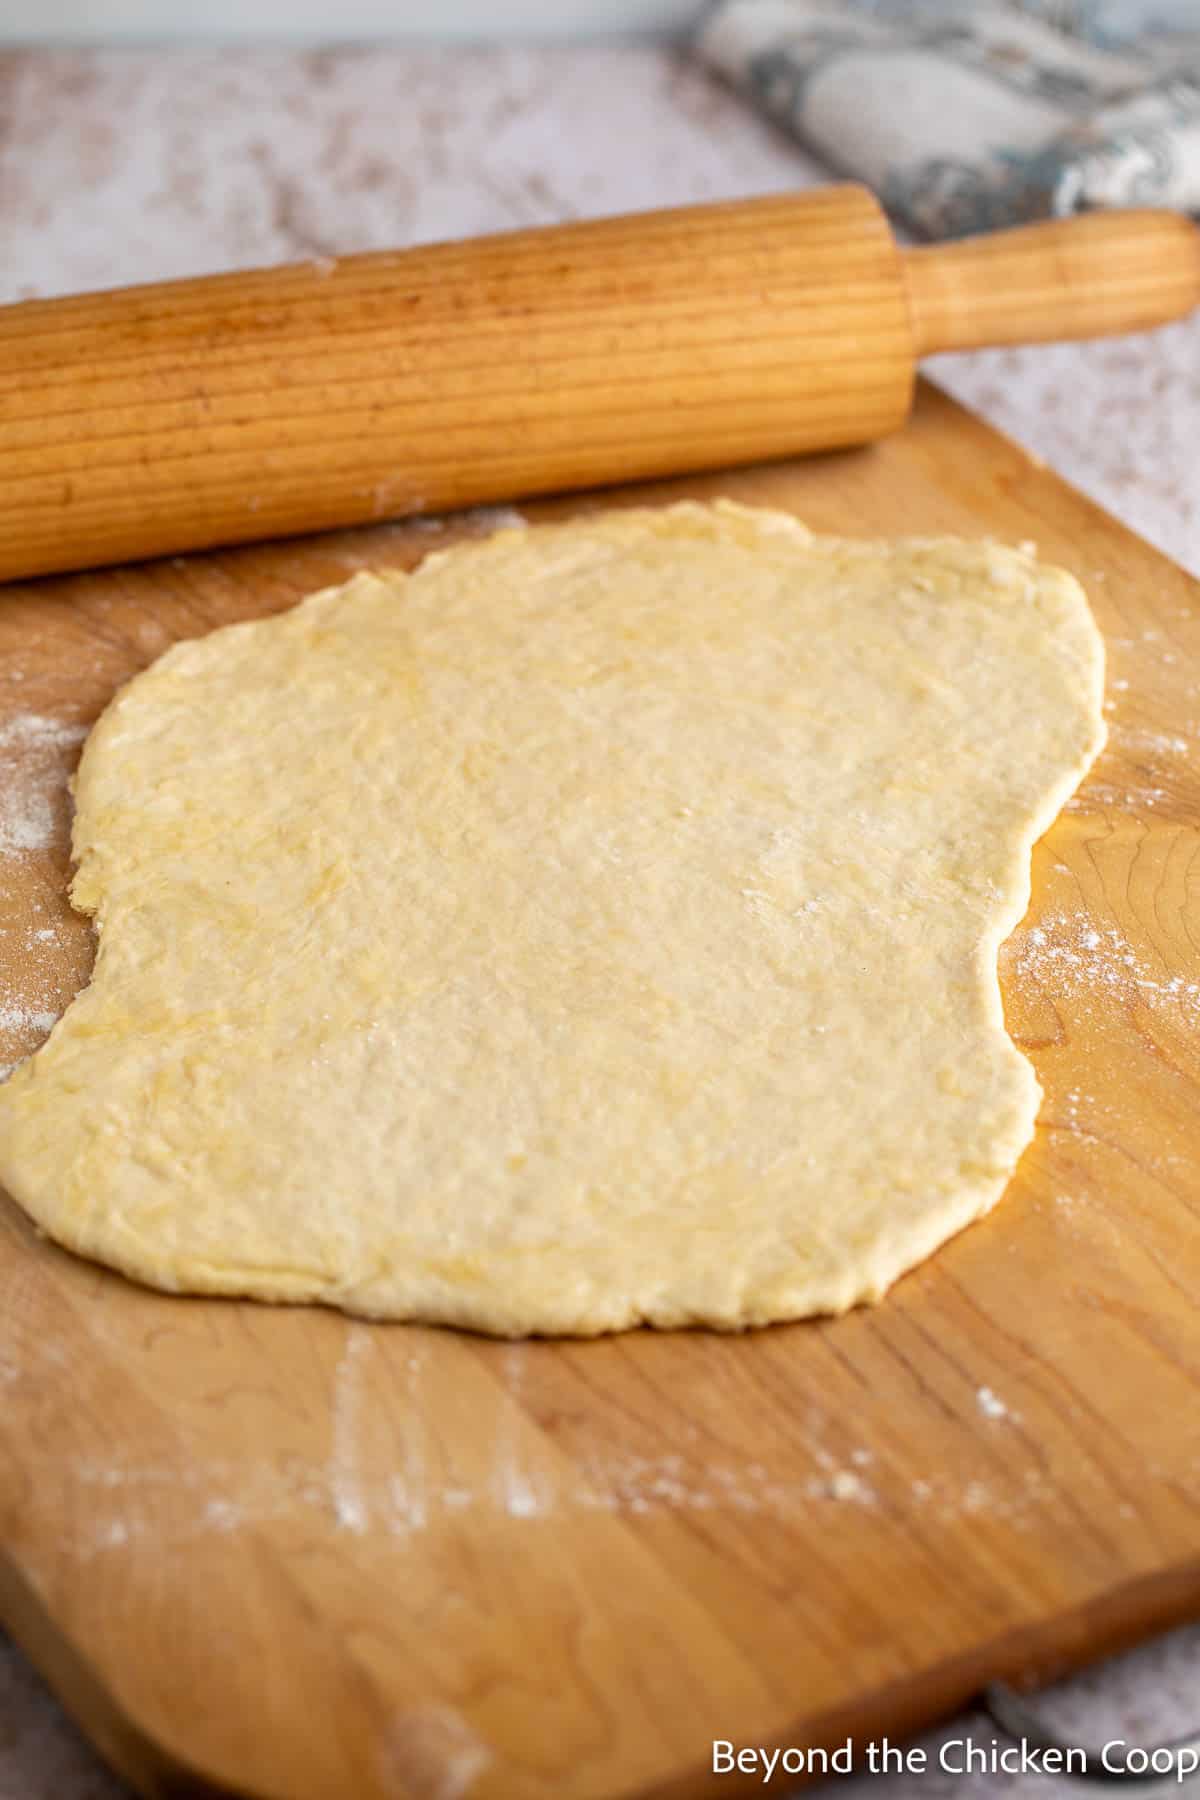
[{"x": 966, "y": 115}]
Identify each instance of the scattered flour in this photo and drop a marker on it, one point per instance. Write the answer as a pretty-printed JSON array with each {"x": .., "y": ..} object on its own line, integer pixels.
[
  {"x": 492, "y": 518},
  {"x": 1070, "y": 953},
  {"x": 1153, "y": 743},
  {"x": 346, "y": 1485},
  {"x": 991, "y": 1405},
  {"x": 478, "y": 519},
  {"x": 223, "y": 1515},
  {"x": 18, "y": 1018},
  {"x": 846, "y": 1485},
  {"x": 524, "y": 1502},
  {"x": 25, "y": 1027},
  {"x": 35, "y": 761},
  {"x": 521, "y": 1491},
  {"x": 186, "y": 1503},
  {"x": 34, "y": 765}
]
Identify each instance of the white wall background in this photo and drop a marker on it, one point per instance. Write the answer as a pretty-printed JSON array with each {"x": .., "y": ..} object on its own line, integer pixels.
[{"x": 146, "y": 21}]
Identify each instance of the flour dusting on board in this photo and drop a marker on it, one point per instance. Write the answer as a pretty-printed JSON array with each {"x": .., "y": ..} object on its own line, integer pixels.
[
  {"x": 408, "y": 1484},
  {"x": 432, "y": 1750},
  {"x": 178, "y": 1506},
  {"x": 517, "y": 1489},
  {"x": 348, "y": 1491},
  {"x": 35, "y": 761},
  {"x": 480, "y": 520},
  {"x": 412, "y": 1491},
  {"x": 1090, "y": 962},
  {"x": 24, "y": 1024},
  {"x": 36, "y": 757}
]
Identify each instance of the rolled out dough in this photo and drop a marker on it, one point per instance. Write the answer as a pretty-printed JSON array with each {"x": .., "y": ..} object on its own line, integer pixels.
[{"x": 598, "y": 925}]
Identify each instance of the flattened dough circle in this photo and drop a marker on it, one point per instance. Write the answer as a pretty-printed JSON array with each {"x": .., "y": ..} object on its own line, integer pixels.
[{"x": 598, "y": 925}]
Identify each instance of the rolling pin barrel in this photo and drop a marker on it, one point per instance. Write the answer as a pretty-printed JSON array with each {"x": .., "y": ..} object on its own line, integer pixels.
[{"x": 215, "y": 411}]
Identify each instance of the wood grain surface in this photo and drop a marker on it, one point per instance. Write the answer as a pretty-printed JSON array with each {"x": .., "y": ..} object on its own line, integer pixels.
[{"x": 276, "y": 1553}]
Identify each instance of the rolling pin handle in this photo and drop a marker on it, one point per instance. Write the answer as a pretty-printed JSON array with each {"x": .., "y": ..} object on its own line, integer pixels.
[{"x": 1090, "y": 276}]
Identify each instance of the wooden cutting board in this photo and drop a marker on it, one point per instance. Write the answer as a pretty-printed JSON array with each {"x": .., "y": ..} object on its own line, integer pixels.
[{"x": 276, "y": 1553}]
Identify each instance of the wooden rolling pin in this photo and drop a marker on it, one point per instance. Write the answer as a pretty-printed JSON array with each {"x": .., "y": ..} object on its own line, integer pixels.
[{"x": 195, "y": 413}]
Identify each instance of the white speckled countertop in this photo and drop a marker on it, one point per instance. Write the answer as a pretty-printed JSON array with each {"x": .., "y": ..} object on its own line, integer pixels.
[{"x": 126, "y": 166}]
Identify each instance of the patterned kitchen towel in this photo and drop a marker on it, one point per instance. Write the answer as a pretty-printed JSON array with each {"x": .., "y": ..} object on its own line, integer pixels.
[{"x": 965, "y": 115}]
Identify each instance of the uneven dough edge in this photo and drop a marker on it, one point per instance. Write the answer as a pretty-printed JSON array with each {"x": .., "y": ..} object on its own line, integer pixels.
[{"x": 577, "y": 1310}]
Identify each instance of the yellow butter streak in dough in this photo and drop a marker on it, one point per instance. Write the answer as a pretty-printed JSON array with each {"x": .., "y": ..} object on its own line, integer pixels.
[{"x": 597, "y": 925}]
